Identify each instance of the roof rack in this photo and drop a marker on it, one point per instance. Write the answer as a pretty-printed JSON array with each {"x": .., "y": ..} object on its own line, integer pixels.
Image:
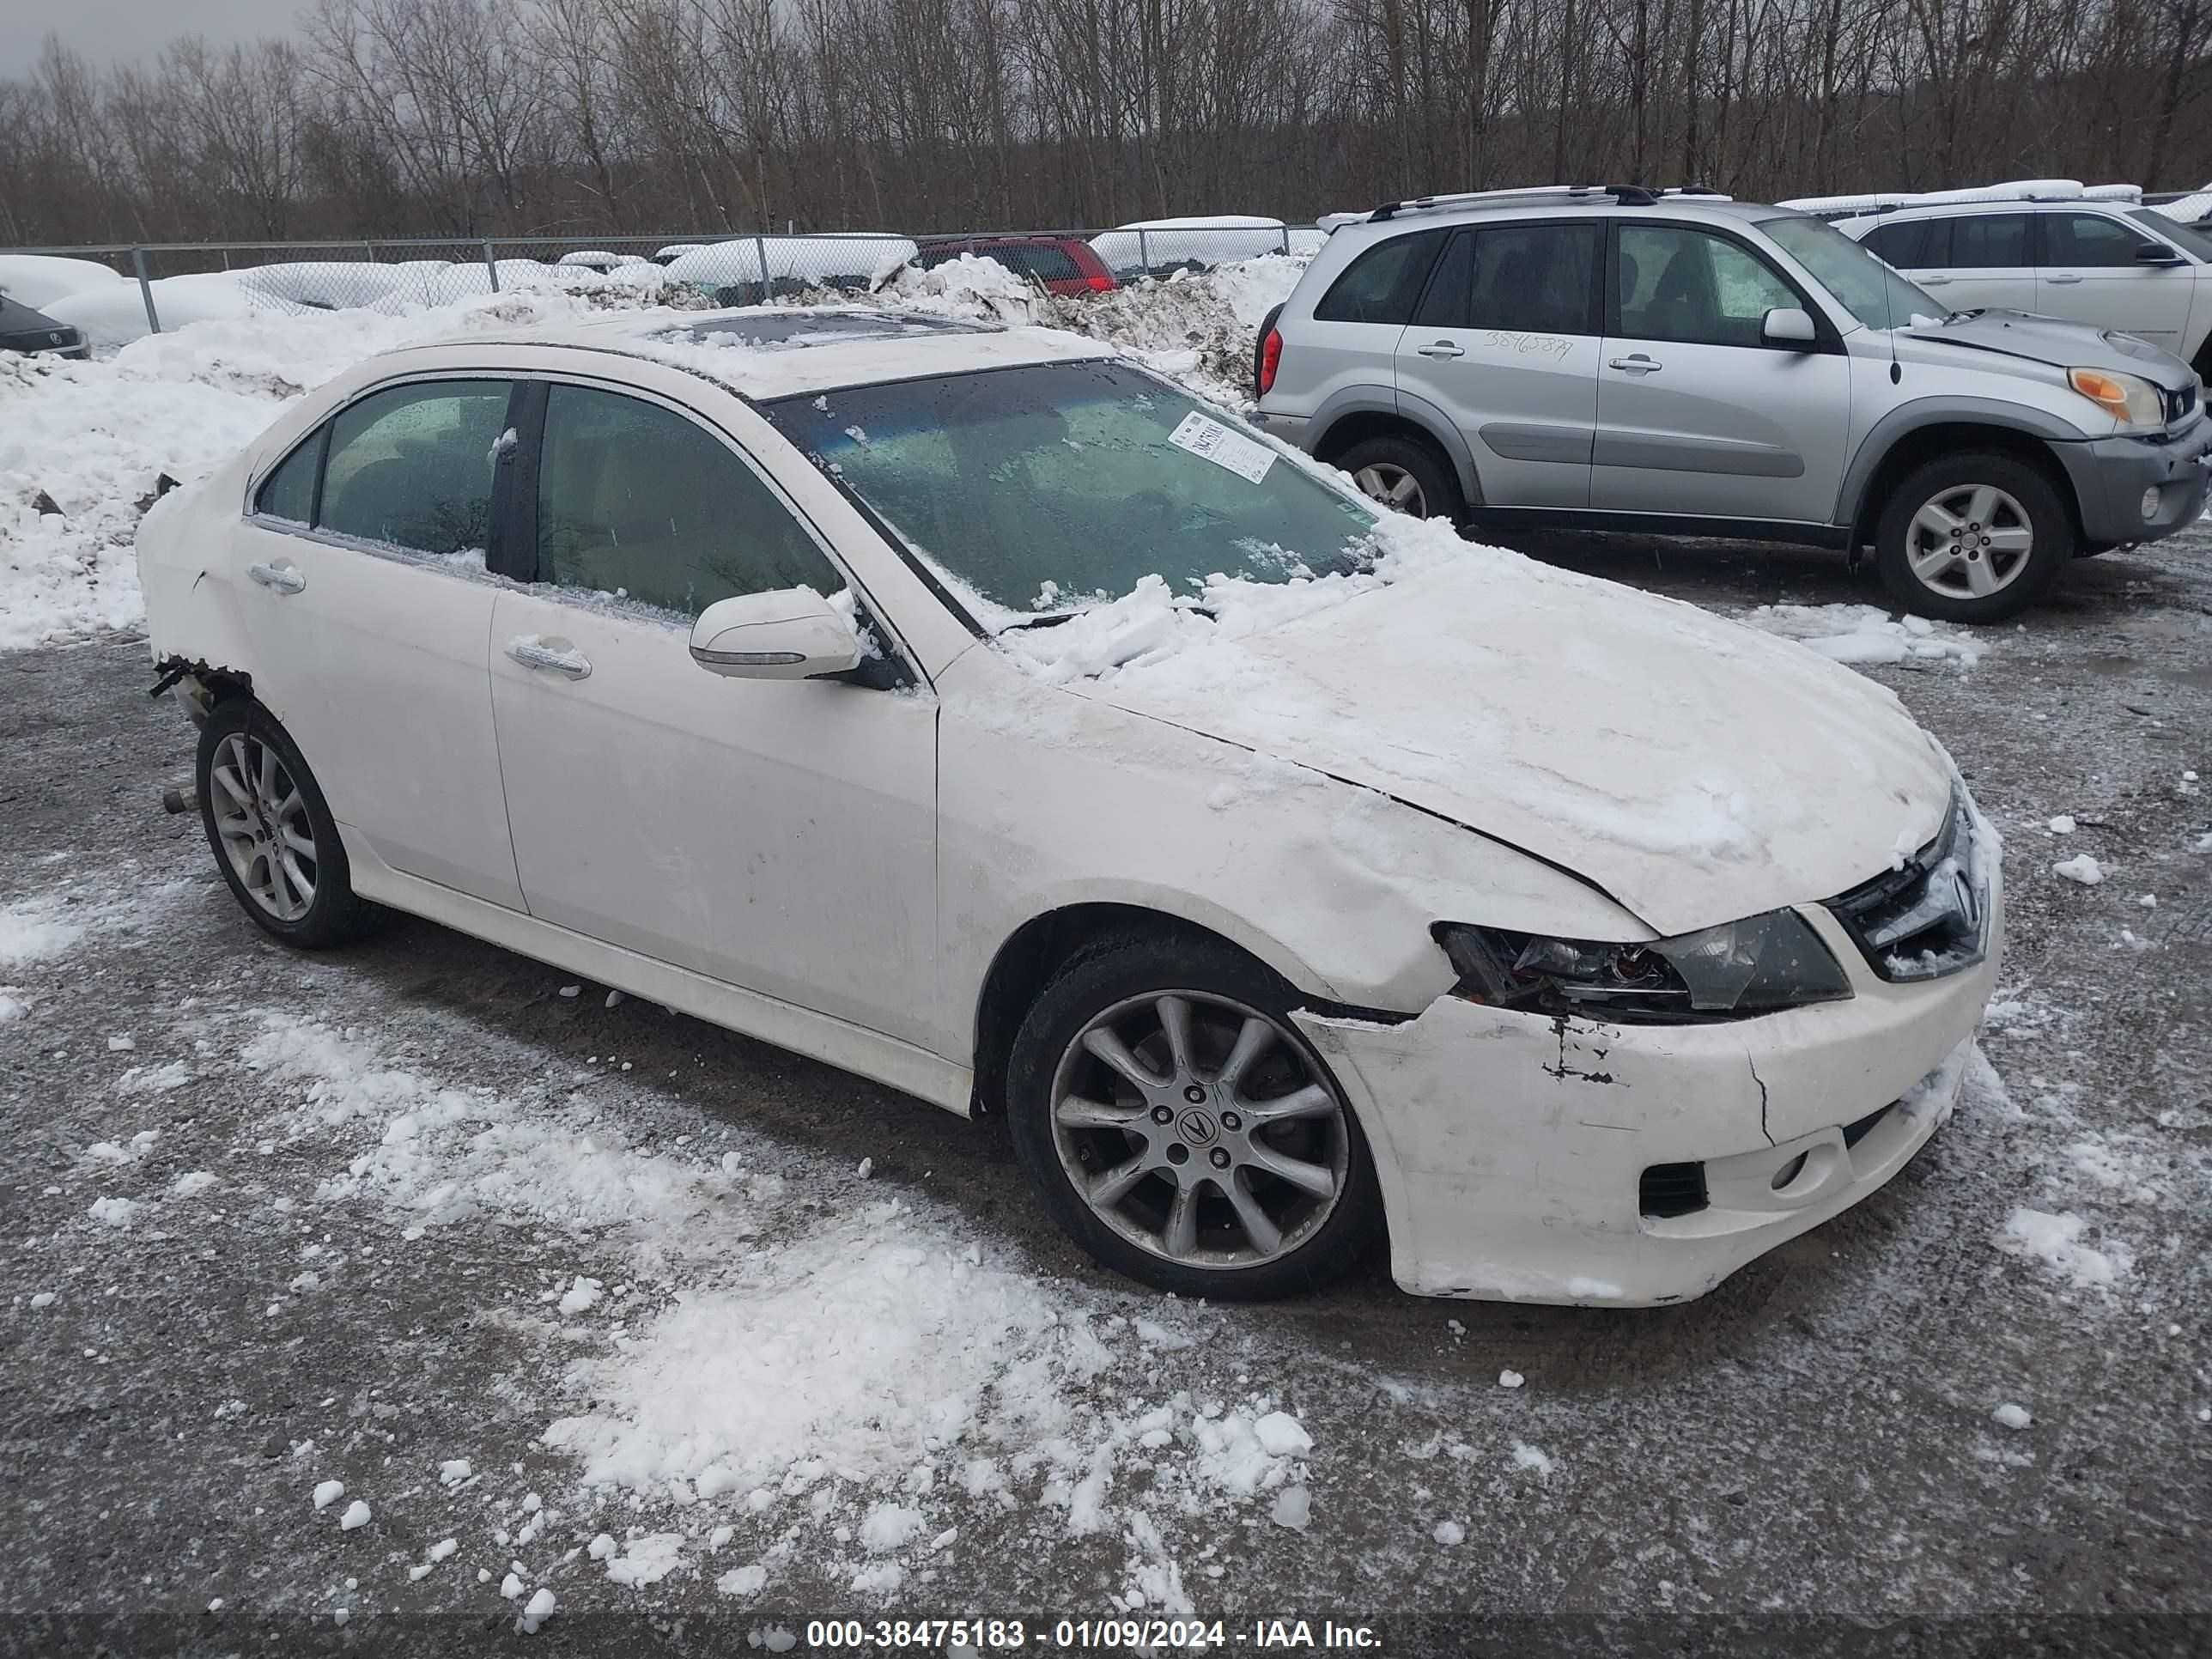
[{"x": 1624, "y": 195}]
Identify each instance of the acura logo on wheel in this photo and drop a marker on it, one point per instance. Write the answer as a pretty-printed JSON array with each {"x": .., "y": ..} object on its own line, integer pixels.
[{"x": 1197, "y": 1127}]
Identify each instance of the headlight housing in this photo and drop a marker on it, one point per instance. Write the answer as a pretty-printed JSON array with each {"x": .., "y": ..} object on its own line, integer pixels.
[
  {"x": 1759, "y": 965},
  {"x": 2128, "y": 400}
]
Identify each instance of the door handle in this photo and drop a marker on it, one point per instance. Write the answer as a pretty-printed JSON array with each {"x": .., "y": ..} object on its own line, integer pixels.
[
  {"x": 2061, "y": 276},
  {"x": 1931, "y": 281},
  {"x": 285, "y": 578},
  {"x": 1637, "y": 364},
  {"x": 533, "y": 653},
  {"x": 1441, "y": 349}
]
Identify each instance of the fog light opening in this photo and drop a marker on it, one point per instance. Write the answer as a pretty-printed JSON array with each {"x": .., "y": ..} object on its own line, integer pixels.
[
  {"x": 2150, "y": 503},
  {"x": 1788, "y": 1172}
]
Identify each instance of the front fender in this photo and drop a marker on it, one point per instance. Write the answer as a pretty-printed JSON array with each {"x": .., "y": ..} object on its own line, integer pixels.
[{"x": 1940, "y": 410}]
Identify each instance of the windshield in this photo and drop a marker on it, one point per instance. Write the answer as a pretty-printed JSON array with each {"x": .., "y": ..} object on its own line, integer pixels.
[
  {"x": 1859, "y": 283},
  {"x": 2181, "y": 235},
  {"x": 1047, "y": 487}
]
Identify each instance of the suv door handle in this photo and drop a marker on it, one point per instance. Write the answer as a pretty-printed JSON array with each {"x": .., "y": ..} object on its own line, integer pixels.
[
  {"x": 1636, "y": 364},
  {"x": 2061, "y": 276},
  {"x": 284, "y": 577},
  {"x": 1441, "y": 349},
  {"x": 1931, "y": 281},
  {"x": 532, "y": 652}
]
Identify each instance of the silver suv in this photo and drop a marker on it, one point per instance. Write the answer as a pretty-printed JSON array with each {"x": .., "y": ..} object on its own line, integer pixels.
[{"x": 1683, "y": 364}]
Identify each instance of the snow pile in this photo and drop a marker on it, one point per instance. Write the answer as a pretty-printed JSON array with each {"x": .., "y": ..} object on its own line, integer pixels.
[
  {"x": 2082, "y": 868},
  {"x": 974, "y": 288},
  {"x": 2055, "y": 1242},
  {"x": 1866, "y": 634}
]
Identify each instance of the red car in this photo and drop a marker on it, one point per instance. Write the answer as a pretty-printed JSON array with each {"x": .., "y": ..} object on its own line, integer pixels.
[{"x": 1065, "y": 265}]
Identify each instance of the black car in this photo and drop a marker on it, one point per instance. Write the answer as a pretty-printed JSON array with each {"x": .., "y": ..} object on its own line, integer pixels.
[{"x": 22, "y": 328}]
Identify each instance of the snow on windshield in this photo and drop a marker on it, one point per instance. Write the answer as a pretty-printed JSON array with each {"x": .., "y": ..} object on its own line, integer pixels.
[{"x": 1037, "y": 488}]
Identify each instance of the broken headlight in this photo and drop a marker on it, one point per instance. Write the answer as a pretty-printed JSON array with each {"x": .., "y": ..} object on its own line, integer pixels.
[{"x": 1756, "y": 966}]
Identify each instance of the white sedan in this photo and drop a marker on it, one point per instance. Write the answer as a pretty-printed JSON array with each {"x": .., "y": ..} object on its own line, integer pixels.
[{"x": 972, "y": 709}]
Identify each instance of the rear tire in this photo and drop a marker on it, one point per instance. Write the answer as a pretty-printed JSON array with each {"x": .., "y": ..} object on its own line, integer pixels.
[
  {"x": 1973, "y": 538},
  {"x": 1407, "y": 474},
  {"x": 271, "y": 832},
  {"x": 1223, "y": 1162}
]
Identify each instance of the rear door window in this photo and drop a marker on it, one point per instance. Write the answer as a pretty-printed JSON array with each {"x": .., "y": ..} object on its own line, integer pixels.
[
  {"x": 1912, "y": 243},
  {"x": 1382, "y": 284},
  {"x": 1991, "y": 241},
  {"x": 412, "y": 466}
]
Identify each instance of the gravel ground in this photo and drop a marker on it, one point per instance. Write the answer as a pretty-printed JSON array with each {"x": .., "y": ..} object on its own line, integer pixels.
[{"x": 1808, "y": 1456}]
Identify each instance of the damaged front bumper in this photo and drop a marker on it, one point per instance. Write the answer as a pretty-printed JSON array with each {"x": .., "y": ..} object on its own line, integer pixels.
[{"x": 1565, "y": 1160}]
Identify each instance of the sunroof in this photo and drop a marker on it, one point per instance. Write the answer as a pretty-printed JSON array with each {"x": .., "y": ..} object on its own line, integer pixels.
[{"x": 785, "y": 330}]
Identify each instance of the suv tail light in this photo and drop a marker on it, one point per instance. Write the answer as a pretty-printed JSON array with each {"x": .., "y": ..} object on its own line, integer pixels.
[
  {"x": 1101, "y": 283},
  {"x": 1271, "y": 359}
]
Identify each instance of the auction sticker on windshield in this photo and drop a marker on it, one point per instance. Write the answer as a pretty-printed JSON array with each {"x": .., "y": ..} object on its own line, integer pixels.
[{"x": 1246, "y": 457}]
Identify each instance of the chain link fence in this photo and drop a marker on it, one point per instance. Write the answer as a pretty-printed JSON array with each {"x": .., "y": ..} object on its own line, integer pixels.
[{"x": 127, "y": 290}]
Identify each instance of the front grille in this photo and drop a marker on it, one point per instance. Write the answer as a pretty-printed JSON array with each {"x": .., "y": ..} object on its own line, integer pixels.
[
  {"x": 1928, "y": 918},
  {"x": 1668, "y": 1189},
  {"x": 2178, "y": 403}
]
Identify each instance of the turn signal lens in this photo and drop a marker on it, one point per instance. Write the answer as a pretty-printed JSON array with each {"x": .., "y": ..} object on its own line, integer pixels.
[
  {"x": 2129, "y": 401},
  {"x": 1271, "y": 359}
]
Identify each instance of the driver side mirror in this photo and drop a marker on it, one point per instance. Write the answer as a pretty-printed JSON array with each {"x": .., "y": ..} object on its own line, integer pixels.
[
  {"x": 794, "y": 633},
  {"x": 1789, "y": 325},
  {"x": 2156, "y": 253}
]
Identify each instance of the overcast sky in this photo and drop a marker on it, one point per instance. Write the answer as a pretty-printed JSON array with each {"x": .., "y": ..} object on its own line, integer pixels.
[{"x": 125, "y": 31}]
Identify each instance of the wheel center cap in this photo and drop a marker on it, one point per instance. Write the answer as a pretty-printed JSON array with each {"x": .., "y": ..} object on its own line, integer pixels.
[{"x": 1198, "y": 1127}]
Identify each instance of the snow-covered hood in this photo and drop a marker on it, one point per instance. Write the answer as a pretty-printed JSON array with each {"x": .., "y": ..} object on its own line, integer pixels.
[
  {"x": 2063, "y": 344},
  {"x": 1697, "y": 770}
]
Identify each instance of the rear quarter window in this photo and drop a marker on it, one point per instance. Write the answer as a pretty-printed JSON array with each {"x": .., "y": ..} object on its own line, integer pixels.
[{"x": 1383, "y": 285}]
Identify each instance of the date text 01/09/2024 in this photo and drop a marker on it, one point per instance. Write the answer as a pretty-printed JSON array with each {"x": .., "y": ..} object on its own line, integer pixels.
[{"x": 1089, "y": 1635}]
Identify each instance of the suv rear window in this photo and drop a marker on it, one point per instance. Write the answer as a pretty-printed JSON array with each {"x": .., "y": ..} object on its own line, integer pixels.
[{"x": 1382, "y": 284}]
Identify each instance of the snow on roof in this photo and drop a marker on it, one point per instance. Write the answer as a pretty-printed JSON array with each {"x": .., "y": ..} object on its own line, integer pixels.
[
  {"x": 1207, "y": 239},
  {"x": 792, "y": 258},
  {"x": 2019, "y": 190}
]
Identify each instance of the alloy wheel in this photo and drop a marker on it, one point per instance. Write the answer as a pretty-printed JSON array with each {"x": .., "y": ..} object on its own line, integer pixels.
[
  {"x": 1969, "y": 541},
  {"x": 262, "y": 818},
  {"x": 1393, "y": 486},
  {"x": 1200, "y": 1129}
]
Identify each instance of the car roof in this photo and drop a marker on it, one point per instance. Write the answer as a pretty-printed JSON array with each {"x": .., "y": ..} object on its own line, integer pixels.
[{"x": 778, "y": 352}]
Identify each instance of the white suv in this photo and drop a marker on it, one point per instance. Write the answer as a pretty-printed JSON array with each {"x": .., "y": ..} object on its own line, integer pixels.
[
  {"x": 1682, "y": 364},
  {"x": 2111, "y": 264}
]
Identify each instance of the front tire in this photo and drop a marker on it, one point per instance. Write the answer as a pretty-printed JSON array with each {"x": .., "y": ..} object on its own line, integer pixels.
[
  {"x": 271, "y": 832},
  {"x": 1406, "y": 474},
  {"x": 1176, "y": 1125},
  {"x": 1973, "y": 538}
]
